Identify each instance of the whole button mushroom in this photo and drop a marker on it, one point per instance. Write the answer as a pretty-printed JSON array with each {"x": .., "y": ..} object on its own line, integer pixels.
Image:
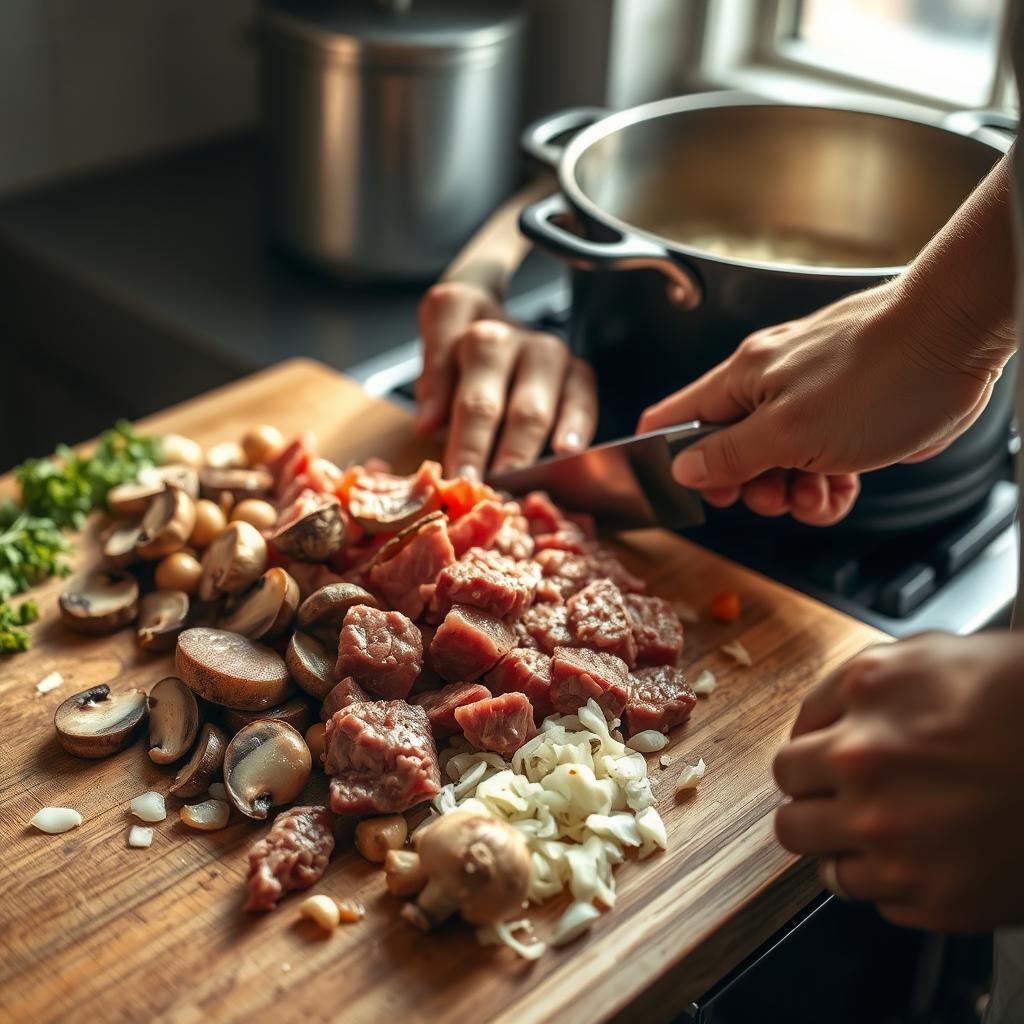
[
  {"x": 231, "y": 670},
  {"x": 100, "y": 602},
  {"x": 475, "y": 865},
  {"x": 173, "y": 720},
  {"x": 266, "y": 764},
  {"x": 97, "y": 723}
]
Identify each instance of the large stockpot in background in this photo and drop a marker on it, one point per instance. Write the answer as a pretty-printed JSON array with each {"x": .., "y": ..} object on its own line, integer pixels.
[
  {"x": 390, "y": 134},
  {"x": 654, "y": 189}
]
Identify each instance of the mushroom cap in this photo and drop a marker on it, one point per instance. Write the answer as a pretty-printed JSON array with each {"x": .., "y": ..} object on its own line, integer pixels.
[
  {"x": 227, "y": 455},
  {"x": 295, "y": 712},
  {"x": 173, "y": 720},
  {"x": 162, "y": 616},
  {"x": 323, "y": 612},
  {"x": 230, "y": 669},
  {"x": 120, "y": 544},
  {"x": 266, "y": 764},
  {"x": 236, "y": 482},
  {"x": 184, "y": 477},
  {"x": 204, "y": 765},
  {"x": 96, "y": 722},
  {"x": 316, "y": 534},
  {"x": 267, "y": 609},
  {"x": 309, "y": 665},
  {"x": 100, "y": 601},
  {"x": 235, "y": 558},
  {"x": 133, "y": 498},
  {"x": 167, "y": 523},
  {"x": 178, "y": 450},
  {"x": 475, "y": 864},
  {"x": 392, "y": 509}
]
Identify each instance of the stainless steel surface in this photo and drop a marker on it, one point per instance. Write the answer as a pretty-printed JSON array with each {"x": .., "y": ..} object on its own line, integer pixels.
[
  {"x": 389, "y": 136},
  {"x": 625, "y": 484}
]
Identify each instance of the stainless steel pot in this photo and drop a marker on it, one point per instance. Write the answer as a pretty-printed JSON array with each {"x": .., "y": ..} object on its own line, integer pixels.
[
  {"x": 390, "y": 133},
  {"x": 652, "y": 311}
]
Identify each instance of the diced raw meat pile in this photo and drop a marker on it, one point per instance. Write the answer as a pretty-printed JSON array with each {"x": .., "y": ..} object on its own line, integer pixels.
[
  {"x": 382, "y": 651},
  {"x": 292, "y": 855},
  {"x": 441, "y": 705},
  {"x": 658, "y": 699},
  {"x": 382, "y": 757},
  {"x": 502, "y": 724},
  {"x": 496, "y": 613}
]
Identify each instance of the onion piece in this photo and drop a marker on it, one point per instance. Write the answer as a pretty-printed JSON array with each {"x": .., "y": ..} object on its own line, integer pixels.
[
  {"x": 49, "y": 682},
  {"x": 140, "y": 837},
  {"x": 705, "y": 683},
  {"x": 691, "y": 776},
  {"x": 574, "y": 922},
  {"x": 55, "y": 820},
  {"x": 648, "y": 742},
  {"x": 738, "y": 653}
]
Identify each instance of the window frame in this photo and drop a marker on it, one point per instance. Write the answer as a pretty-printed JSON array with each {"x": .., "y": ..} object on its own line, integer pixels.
[{"x": 745, "y": 48}]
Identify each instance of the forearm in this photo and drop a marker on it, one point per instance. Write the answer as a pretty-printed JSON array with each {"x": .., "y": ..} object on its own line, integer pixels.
[{"x": 961, "y": 285}]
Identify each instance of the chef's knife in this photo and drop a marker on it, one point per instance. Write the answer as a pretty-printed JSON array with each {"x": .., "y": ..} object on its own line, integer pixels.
[{"x": 624, "y": 484}]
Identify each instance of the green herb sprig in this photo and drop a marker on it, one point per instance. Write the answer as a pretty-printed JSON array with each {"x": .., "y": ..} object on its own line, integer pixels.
[{"x": 13, "y": 637}]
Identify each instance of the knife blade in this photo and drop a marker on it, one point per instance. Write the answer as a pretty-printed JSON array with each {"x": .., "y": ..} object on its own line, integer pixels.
[{"x": 624, "y": 484}]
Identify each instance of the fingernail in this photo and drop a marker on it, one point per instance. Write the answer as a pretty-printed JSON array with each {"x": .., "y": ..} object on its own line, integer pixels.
[
  {"x": 572, "y": 441},
  {"x": 470, "y": 473},
  {"x": 691, "y": 468}
]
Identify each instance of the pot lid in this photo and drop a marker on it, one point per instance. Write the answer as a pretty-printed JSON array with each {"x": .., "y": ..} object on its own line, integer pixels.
[{"x": 394, "y": 28}]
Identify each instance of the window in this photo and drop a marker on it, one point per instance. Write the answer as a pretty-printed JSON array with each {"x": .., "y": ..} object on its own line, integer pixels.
[{"x": 939, "y": 53}]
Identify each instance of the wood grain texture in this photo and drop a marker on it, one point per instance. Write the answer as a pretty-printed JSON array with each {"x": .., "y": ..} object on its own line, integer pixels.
[{"x": 91, "y": 930}]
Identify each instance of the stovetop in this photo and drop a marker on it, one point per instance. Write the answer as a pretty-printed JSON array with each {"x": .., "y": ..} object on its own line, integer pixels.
[{"x": 959, "y": 578}]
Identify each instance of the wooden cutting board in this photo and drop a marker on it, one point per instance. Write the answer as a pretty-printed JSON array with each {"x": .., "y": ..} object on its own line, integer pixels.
[{"x": 91, "y": 930}]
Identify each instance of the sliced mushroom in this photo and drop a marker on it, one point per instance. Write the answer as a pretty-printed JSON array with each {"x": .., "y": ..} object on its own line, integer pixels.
[
  {"x": 388, "y": 510},
  {"x": 96, "y": 722},
  {"x": 267, "y": 609},
  {"x": 175, "y": 449},
  {"x": 167, "y": 524},
  {"x": 133, "y": 498},
  {"x": 120, "y": 544},
  {"x": 100, "y": 602},
  {"x": 173, "y": 720},
  {"x": 185, "y": 478},
  {"x": 316, "y": 534},
  {"x": 324, "y": 610},
  {"x": 238, "y": 484},
  {"x": 260, "y": 443},
  {"x": 198, "y": 772},
  {"x": 310, "y": 665},
  {"x": 295, "y": 712},
  {"x": 231, "y": 670},
  {"x": 227, "y": 455},
  {"x": 163, "y": 614},
  {"x": 235, "y": 559},
  {"x": 405, "y": 536},
  {"x": 266, "y": 764}
]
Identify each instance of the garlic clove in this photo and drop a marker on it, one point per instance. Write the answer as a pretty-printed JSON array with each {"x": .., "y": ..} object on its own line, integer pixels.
[
  {"x": 55, "y": 820},
  {"x": 149, "y": 807}
]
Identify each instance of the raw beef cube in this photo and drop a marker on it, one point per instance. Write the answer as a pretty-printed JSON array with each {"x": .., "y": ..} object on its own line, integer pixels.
[
  {"x": 598, "y": 619},
  {"x": 502, "y": 724},
  {"x": 656, "y": 629},
  {"x": 399, "y": 580},
  {"x": 543, "y": 514},
  {"x": 468, "y": 643},
  {"x": 487, "y": 580},
  {"x": 524, "y": 671},
  {"x": 348, "y": 691},
  {"x": 514, "y": 537},
  {"x": 569, "y": 537},
  {"x": 606, "y": 564},
  {"x": 578, "y": 674},
  {"x": 292, "y": 855},
  {"x": 382, "y": 651},
  {"x": 382, "y": 758},
  {"x": 478, "y": 527},
  {"x": 564, "y": 573},
  {"x": 441, "y": 705},
  {"x": 585, "y": 522},
  {"x": 658, "y": 699},
  {"x": 547, "y": 626}
]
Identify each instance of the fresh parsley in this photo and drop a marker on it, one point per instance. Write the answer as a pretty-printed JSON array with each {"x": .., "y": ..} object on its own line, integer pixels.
[
  {"x": 31, "y": 549},
  {"x": 13, "y": 637}
]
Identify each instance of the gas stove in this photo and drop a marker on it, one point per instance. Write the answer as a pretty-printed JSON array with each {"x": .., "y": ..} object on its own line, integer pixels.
[{"x": 959, "y": 578}]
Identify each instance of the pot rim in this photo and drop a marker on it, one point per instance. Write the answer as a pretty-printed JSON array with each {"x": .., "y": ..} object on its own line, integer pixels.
[{"x": 623, "y": 119}]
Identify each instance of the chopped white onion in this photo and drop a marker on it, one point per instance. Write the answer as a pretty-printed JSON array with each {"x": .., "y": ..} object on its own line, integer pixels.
[
  {"x": 650, "y": 741},
  {"x": 139, "y": 836},
  {"x": 149, "y": 807},
  {"x": 705, "y": 684},
  {"x": 55, "y": 820},
  {"x": 574, "y": 922},
  {"x": 691, "y": 776},
  {"x": 738, "y": 653},
  {"x": 652, "y": 831},
  {"x": 49, "y": 682}
]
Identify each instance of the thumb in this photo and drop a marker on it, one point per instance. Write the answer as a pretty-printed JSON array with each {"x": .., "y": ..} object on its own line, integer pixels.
[{"x": 730, "y": 456}]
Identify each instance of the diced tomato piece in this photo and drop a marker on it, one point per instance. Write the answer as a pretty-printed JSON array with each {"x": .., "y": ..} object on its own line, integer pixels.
[{"x": 725, "y": 606}]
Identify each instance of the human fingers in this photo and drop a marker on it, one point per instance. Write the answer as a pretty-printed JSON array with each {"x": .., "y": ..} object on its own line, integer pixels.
[
  {"x": 803, "y": 767},
  {"x": 813, "y": 826},
  {"x": 445, "y": 311},
  {"x": 712, "y": 398},
  {"x": 827, "y": 702},
  {"x": 768, "y": 494},
  {"x": 533, "y": 401},
  {"x": 577, "y": 412},
  {"x": 867, "y": 878},
  {"x": 487, "y": 353}
]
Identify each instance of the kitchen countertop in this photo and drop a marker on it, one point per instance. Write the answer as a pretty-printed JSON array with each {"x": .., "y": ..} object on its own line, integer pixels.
[{"x": 171, "y": 257}]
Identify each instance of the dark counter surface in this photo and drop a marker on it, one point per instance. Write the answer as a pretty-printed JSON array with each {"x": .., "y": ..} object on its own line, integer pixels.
[{"x": 127, "y": 291}]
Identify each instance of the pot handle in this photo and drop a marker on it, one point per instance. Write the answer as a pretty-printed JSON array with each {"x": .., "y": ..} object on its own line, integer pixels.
[
  {"x": 991, "y": 126},
  {"x": 536, "y": 140},
  {"x": 630, "y": 252}
]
